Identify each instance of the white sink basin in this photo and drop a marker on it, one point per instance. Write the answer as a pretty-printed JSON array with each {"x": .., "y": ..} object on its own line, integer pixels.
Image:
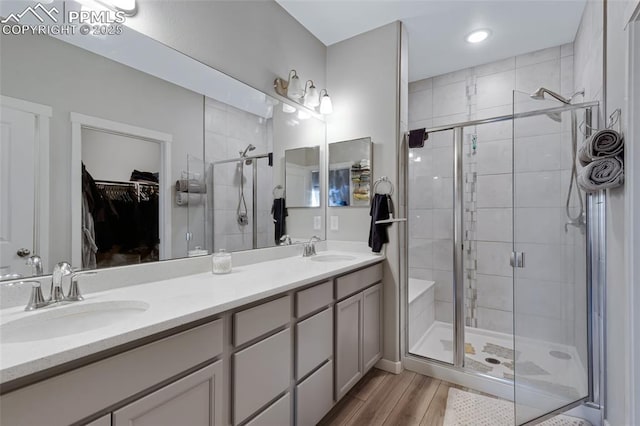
[
  {"x": 69, "y": 319},
  {"x": 332, "y": 258}
]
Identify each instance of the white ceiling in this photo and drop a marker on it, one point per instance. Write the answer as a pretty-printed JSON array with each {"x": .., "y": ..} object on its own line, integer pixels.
[{"x": 437, "y": 28}]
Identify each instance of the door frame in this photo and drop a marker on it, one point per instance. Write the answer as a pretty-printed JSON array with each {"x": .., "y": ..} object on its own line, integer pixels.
[
  {"x": 81, "y": 121},
  {"x": 632, "y": 243},
  {"x": 43, "y": 114}
]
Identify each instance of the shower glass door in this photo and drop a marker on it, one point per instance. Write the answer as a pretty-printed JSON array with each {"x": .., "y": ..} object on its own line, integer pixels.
[
  {"x": 430, "y": 313},
  {"x": 550, "y": 287}
]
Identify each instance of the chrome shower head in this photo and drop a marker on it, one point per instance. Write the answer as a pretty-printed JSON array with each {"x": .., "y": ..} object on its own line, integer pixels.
[
  {"x": 250, "y": 147},
  {"x": 539, "y": 95}
]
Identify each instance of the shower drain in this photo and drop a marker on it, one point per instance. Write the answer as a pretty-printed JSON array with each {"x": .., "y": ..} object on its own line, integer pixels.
[
  {"x": 560, "y": 355},
  {"x": 492, "y": 361}
]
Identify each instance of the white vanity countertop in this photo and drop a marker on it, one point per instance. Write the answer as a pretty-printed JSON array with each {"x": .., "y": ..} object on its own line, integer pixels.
[{"x": 172, "y": 303}]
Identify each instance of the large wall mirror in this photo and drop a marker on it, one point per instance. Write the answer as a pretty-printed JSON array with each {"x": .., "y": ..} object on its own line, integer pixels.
[
  {"x": 302, "y": 176},
  {"x": 122, "y": 151},
  {"x": 350, "y": 173}
]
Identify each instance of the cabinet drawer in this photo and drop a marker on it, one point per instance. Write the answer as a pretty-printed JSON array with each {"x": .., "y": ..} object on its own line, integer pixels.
[
  {"x": 261, "y": 319},
  {"x": 314, "y": 298},
  {"x": 102, "y": 421},
  {"x": 314, "y": 396},
  {"x": 114, "y": 379},
  {"x": 278, "y": 414},
  {"x": 314, "y": 342},
  {"x": 260, "y": 373},
  {"x": 357, "y": 281}
]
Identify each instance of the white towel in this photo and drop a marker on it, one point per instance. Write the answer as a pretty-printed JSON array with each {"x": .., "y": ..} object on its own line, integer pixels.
[
  {"x": 190, "y": 185},
  {"x": 187, "y": 199},
  {"x": 601, "y": 174},
  {"x": 602, "y": 144}
]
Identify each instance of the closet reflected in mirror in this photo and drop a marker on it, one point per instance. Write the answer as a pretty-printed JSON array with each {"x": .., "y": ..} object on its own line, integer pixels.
[
  {"x": 350, "y": 173},
  {"x": 120, "y": 211},
  {"x": 302, "y": 176}
]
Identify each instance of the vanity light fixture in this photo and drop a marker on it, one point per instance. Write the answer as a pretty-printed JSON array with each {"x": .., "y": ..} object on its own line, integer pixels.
[
  {"x": 307, "y": 95},
  {"x": 326, "y": 107},
  {"x": 478, "y": 36},
  {"x": 311, "y": 95}
]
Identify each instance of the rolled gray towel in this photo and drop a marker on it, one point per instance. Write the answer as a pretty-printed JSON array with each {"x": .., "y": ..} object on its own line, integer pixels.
[
  {"x": 601, "y": 174},
  {"x": 190, "y": 185},
  {"x": 602, "y": 144}
]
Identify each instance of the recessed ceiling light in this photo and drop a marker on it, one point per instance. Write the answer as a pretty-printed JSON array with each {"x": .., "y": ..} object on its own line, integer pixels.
[{"x": 478, "y": 36}]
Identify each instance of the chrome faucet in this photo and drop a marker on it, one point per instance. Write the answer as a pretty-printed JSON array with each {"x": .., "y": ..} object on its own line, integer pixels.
[
  {"x": 285, "y": 240},
  {"x": 36, "y": 264},
  {"x": 61, "y": 270},
  {"x": 309, "y": 248}
]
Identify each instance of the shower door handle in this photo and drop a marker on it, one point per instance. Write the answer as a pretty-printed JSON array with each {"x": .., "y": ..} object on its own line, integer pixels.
[{"x": 517, "y": 259}]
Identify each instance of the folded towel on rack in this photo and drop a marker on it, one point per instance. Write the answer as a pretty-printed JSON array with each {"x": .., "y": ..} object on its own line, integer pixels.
[
  {"x": 138, "y": 176},
  {"x": 189, "y": 199},
  {"x": 381, "y": 209},
  {"x": 601, "y": 174},
  {"x": 417, "y": 138},
  {"x": 279, "y": 214},
  {"x": 602, "y": 144},
  {"x": 190, "y": 185}
]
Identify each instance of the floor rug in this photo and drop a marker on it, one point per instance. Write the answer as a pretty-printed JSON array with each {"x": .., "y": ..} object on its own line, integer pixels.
[{"x": 470, "y": 409}]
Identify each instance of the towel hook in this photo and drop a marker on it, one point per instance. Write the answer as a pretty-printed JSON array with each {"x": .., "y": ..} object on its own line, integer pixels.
[
  {"x": 614, "y": 119},
  {"x": 382, "y": 180},
  {"x": 276, "y": 189}
]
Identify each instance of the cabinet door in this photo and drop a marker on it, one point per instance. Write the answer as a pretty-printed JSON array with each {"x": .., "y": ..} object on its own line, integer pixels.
[
  {"x": 195, "y": 400},
  {"x": 348, "y": 344},
  {"x": 371, "y": 325}
]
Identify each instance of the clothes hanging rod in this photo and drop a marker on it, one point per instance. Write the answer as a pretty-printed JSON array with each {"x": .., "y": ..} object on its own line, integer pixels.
[
  {"x": 235, "y": 160},
  {"x": 129, "y": 183},
  {"x": 511, "y": 116}
]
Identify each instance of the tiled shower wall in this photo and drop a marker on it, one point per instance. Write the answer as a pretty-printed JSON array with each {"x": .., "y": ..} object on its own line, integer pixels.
[
  {"x": 228, "y": 131},
  {"x": 481, "y": 92}
]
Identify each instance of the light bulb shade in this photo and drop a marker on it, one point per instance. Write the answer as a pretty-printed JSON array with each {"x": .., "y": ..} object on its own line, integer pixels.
[
  {"x": 312, "y": 97},
  {"x": 325, "y": 105},
  {"x": 295, "y": 89}
]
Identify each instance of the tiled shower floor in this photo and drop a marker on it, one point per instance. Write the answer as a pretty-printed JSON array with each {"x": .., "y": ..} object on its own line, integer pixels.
[{"x": 536, "y": 368}]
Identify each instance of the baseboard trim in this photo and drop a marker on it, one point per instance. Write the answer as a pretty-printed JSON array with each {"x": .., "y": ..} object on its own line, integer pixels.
[{"x": 394, "y": 367}]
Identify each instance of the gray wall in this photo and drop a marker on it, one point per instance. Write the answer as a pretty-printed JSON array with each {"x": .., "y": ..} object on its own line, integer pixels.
[
  {"x": 619, "y": 398},
  {"x": 252, "y": 41},
  {"x": 75, "y": 80},
  {"x": 363, "y": 72},
  {"x": 124, "y": 153}
]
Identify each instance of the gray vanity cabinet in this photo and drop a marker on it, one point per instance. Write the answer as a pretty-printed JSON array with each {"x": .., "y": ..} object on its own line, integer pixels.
[
  {"x": 372, "y": 326},
  {"x": 358, "y": 327},
  {"x": 195, "y": 400},
  {"x": 348, "y": 344}
]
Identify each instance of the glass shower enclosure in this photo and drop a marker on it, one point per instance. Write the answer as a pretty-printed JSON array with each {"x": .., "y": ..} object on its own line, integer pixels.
[{"x": 499, "y": 277}]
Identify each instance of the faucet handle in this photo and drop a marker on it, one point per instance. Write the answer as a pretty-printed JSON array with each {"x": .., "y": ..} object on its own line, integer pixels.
[
  {"x": 285, "y": 240},
  {"x": 74, "y": 291},
  {"x": 36, "y": 299}
]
